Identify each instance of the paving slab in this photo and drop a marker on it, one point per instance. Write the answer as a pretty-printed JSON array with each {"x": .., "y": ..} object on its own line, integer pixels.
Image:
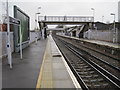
[
  {"x": 25, "y": 72},
  {"x": 54, "y": 71}
]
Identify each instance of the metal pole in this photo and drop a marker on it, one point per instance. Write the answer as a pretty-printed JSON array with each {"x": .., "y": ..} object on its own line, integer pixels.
[
  {"x": 38, "y": 20},
  {"x": 114, "y": 30},
  {"x": 93, "y": 16},
  {"x": 21, "y": 53},
  {"x": 36, "y": 27},
  {"x": 93, "y": 13},
  {"x": 8, "y": 42},
  {"x": 102, "y": 18}
]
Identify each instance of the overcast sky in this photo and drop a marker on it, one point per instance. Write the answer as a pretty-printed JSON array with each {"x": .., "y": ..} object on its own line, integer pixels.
[{"x": 66, "y": 7}]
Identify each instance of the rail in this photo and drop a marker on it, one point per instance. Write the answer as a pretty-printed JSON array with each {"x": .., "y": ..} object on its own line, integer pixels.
[{"x": 110, "y": 78}]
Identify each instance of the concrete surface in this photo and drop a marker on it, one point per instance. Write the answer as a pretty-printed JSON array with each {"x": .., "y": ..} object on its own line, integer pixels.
[
  {"x": 105, "y": 43},
  {"x": 25, "y": 72},
  {"x": 54, "y": 71}
]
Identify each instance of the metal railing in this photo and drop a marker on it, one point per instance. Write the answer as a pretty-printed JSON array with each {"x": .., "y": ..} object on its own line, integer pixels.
[{"x": 66, "y": 18}]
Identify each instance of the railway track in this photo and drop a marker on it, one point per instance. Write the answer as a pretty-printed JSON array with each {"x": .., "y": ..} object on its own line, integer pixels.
[
  {"x": 88, "y": 73},
  {"x": 107, "y": 63},
  {"x": 104, "y": 64},
  {"x": 104, "y": 54}
]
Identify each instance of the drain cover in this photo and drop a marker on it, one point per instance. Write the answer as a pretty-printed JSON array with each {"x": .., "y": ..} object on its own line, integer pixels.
[{"x": 56, "y": 55}]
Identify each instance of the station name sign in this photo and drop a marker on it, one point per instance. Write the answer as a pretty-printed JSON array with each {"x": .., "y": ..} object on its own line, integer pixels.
[{"x": 12, "y": 20}]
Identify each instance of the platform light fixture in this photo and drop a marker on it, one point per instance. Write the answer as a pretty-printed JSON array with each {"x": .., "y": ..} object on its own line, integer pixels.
[
  {"x": 114, "y": 33},
  {"x": 36, "y": 24},
  {"x": 102, "y": 18},
  {"x": 93, "y": 13}
]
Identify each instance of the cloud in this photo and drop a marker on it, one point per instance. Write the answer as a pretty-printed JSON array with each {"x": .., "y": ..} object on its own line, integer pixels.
[{"x": 70, "y": 8}]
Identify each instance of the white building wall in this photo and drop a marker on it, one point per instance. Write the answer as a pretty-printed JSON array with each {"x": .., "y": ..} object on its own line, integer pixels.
[
  {"x": 101, "y": 35},
  {"x": 3, "y": 41},
  {"x": 33, "y": 36}
]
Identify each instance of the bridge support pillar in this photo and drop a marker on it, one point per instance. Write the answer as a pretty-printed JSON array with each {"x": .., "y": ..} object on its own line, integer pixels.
[
  {"x": 41, "y": 27},
  {"x": 91, "y": 25},
  {"x": 45, "y": 31}
]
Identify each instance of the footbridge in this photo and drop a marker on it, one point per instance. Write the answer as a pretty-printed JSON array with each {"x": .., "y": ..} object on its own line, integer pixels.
[{"x": 65, "y": 20}]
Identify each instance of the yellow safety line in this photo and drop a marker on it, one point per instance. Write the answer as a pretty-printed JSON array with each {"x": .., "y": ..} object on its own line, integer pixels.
[{"x": 41, "y": 71}]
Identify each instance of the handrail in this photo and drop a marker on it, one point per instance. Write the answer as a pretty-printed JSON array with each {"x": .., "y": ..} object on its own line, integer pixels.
[{"x": 67, "y": 18}]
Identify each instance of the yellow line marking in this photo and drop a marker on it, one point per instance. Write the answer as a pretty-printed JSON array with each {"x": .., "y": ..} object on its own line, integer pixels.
[
  {"x": 41, "y": 71},
  {"x": 74, "y": 80}
]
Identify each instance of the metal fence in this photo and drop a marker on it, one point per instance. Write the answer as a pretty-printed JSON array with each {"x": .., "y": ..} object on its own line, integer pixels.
[{"x": 66, "y": 18}]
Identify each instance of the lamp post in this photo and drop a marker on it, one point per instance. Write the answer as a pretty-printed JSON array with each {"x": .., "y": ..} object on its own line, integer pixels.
[
  {"x": 114, "y": 33},
  {"x": 36, "y": 19},
  {"x": 93, "y": 13},
  {"x": 93, "y": 17},
  {"x": 36, "y": 24},
  {"x": 39, "y": 8},
  {"x": 36, "y": 27},
  {"x": 40, "y": 23},
  {"x": 102, "y": 18}
]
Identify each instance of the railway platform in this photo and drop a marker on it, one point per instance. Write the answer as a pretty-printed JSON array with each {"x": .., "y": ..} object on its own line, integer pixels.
[
  {"x": 43, "y": 66},
  {"x": 105, "y": 43},
  {"x": 107, "y": 48},
  {"x": 25, "y": 72},
  {"x": 98, "y": 42},
  {"x": 55, "y": 73}
]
